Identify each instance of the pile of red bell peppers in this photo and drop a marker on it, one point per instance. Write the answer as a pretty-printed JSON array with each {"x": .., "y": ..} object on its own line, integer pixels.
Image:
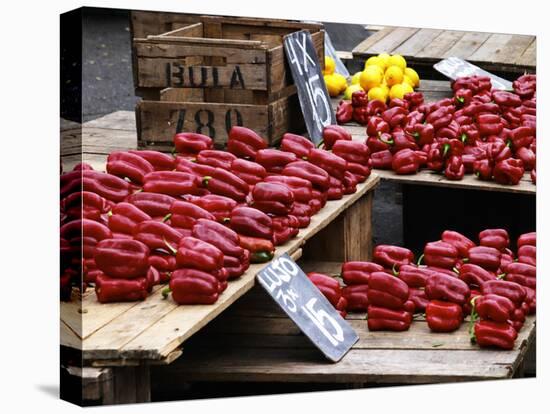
[
  {"x": 197, "y": 218},
  {"x": 453, "y": 279},
  {"x": 488, "y": 132}
]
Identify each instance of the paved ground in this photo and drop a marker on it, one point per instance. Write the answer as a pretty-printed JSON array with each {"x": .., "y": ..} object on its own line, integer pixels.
[{"x": 108, "y": 86}]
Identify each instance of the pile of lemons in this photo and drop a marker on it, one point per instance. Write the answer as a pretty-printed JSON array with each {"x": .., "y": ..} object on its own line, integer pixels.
[
  {"x": 383, "y": 77},
  {"x": 335, "y": 82}
]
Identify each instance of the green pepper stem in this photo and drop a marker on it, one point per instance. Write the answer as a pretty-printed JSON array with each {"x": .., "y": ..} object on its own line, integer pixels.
[
  {"x": 446, "y": 148},
  {"x": 456, "y": 270},
  {"x": 387, "y": 142},
  {"x": 205, "y": 180},
  {"x": 420, "y": 259},
  {"x": 165, "y": 292},
  {"x": 166, "y": 217},
  {"x": 473, "y": 318},
  {"x": 322, "y": 142},
  {"x": 395, "y": 272},
  {"x": 172, "y": 250}
]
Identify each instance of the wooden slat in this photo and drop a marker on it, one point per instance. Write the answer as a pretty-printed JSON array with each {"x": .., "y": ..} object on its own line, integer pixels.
[
  {"x": 440, "y": 44},
  {"x": 392, "y": 40},
  {"x": 467, "y": 45},
  {"x": 417, "y": 42},
  {"x": 502, "y": 49},
  {"x": 529, "y": 57},
  {"x": 122, "y": 120},
  {"x": 362, "y": 48}
]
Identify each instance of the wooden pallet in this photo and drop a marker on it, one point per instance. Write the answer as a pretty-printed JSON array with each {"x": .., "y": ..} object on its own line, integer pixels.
[
  {"x": 261, "y": 344},
  {"x": 423, "y": 47},
  {"x": 433, "y": 91}
]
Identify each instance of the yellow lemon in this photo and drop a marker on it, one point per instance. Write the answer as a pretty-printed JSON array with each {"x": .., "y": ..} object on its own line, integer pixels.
[
  {"x": 370, "y": 77},
  {"x": 350, "y": 89},
  {"x": 386, "y": 89},
  {"x": 393, "y": 75},
  {"x": 397, "y": 60},
  {"x": 330, "y": 66},
  {"x": 355, "y": 78},
  {"x": 384, "y": 59},
  {"x": 333, "y": 85},
  {"x": 411, "y": 73},
  {"x": 342, "y": 81},
  {"x": 407, "y": 88},
  {"x": 397, "y": 91},
  {"x": 377, "y": 92},
  {"x": 408, "y": 81},
  {"x": 375, "y": 61}
]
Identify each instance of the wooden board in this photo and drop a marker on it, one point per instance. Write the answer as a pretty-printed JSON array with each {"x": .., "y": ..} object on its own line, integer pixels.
[
  {"x": 423, "y": 47},
  {"x": 261, "y": 344},
  {"x": 154, "y": 328}
]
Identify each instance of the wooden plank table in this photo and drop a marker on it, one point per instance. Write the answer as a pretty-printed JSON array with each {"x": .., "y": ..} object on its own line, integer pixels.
[
  {"x": 423, "y": 47},
  {"x": 260, "y": 344},
  {"x": 130, "y": 337}
]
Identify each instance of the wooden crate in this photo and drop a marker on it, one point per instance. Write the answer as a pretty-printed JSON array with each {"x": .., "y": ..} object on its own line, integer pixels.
[{"x": 210, "y": 73}]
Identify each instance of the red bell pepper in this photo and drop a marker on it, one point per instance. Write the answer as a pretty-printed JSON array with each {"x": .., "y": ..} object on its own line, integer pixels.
[
  {"x": 494, "y": 307},
  {"x": 153, "y": 204},
  {"x": 352, "y": 151},
  {"x": 336, "y": 189},
  {"x": 157, "y": 235},
  {"x": 459, "y": 241},
  {"x": 251, "y": 222},
  {"x": 379, "y": 143},
  {"x": 236, "y": 266},
  {"x": 382, "y": 160},
  {"x": 440, "y": 254},
  {"x": 216, "y": 158},
  {"x": 489, "y": 333},
  {"x": 498, "y": 151},
  {"x": 454, "y": 168},
  {"x": 483, "y": 169},
  {"x": 528, "y": 158},
  {"x": 219, "y": 236},
  {"x": 489, "y": 124},
  {"x": 443, "y": 316},
  {"x": 374, "y": 106},
  {"x": 328, "y": 286},
  {"x": 359, "y": 99},
  {"x": 92, "y": 233},
  {"x": 124, "y": 164},
  {"x": 193, "y": 287},
  {"x": 122, "y": 258},
  {"x": 447, "y": 288},
  {"x": 344, "y": 112},
  {"x": 301, "y": 188},
  {"x": 383, "y": 319},
  {"x": 401, "y": 140},
  {"x": 509, "y": 171},
  {"x": 356, "y": 297},
  {"x": 511, "y": 290},
  {"x": 109, "y": 289},
  {"x": 261, "y": 250},
  {"x": 392, "y": 256},
  {"x": 318, "y": 177},
  {"x": 185, "y": 214},
  {"x": 296, "y": 144},
  {"x": 387, "y": 291},
  {"x": 527, "y": 239},
  {"x": 219, "y": 206},
  {"x": 531, "y": 299},
  {"x": 497, "y": 238},
  {"x": 333, "y": 133},
  {"x": 193, "y": 168},
  {"x": 486, "y": 257},
  {"x": 475, "y": 275},
  {"x": 106, "y": 185},
  {"x": 172, "y": 183},
  {"x": 303, "y": 213},
  {"x": 525, "y": 86},
  {"x": 422, "y": 133},
  {"x": 197, "y": 254},
  {"x": 245, "y": 143},
  {"x": 350, "y": 183},
  {"x": 522, "y": 136},
  {"x": 415, "y": 99},
  {"x": 272, "y": 198},
  {"x": 165, "y": 263},
  {"x": 85, "y": 205},
  {"x": 124, "y": 218},
  {"x": 159, "y": 160},
  {"x": 435, "y": 159},
  {"x": 394, "y": 116},
  {"x": 398, "y": 102},
  {"x": 274, "y": 160},
  {"x": 377, "y": 126},
  {"x": 192, "y": 143},
  {"x": 334, "y": 165},
  {"x": 248, "y": 171},
  {"x": 527, "y": 254},
  {"x": 405, "y": 161},
  {"x": 283, "y": 231},
  {"x": 358, "y": 273},
  {"x": 463, "y": 96},
  {"x": 414, "y": 276},
  {"x": 522, "y": 273},
  {"x": 441, "y": 117},
  {"x": 225, "y": 183}
]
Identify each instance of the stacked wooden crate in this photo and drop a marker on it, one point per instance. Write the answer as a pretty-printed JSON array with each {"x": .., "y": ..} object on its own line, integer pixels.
[{"x": 211, "y": 73}]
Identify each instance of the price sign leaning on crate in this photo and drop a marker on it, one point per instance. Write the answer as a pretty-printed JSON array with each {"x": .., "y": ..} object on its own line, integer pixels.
[
  {"x": 306, "y": 72},
  {"x": 289, "y": 286}
]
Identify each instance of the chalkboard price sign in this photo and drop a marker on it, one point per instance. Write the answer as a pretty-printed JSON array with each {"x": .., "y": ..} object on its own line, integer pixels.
[
  {"x": 312, "y": 92},
  {"x": 288, "y": 285}
]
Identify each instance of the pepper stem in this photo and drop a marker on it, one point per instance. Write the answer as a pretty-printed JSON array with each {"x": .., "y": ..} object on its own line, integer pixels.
[
  {"x": 420, "y": 259},
  {"x": 446, "y": 148},
  {"x": 172, "y": 250},
  {"x": 387, "y": 142},
  {"x": 166, "y": 217},
  {"x": 322, "y": 142},
  {"x": 501, "y": 276},
  {"x": 395, "y": 272},
  {"x": 456, "y": 270},
  {"x": 165, "y": 292},
  {"x": 205, "y": 180},
  {"x": 464, "y": 137},
  {"x": 473, "y": 319}
]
